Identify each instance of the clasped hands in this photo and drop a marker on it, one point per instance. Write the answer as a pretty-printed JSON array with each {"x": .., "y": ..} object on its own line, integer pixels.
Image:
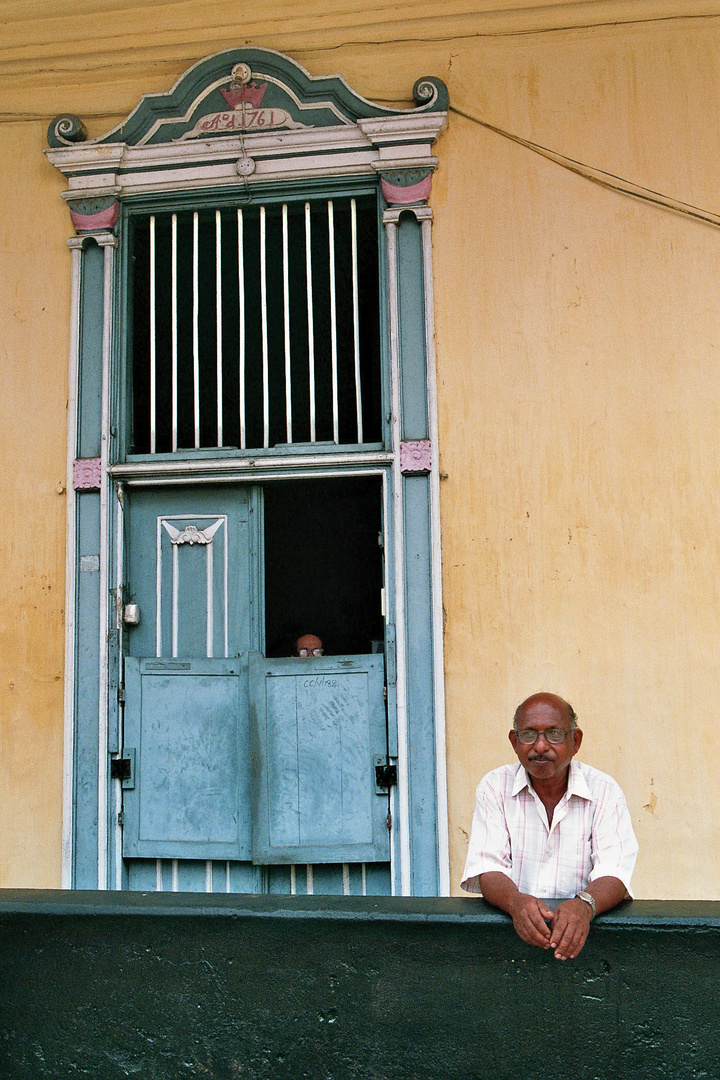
[{"x": 564, "y": 930}]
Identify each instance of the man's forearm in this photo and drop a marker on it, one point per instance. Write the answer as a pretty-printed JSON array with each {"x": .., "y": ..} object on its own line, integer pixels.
[
  {"x": 499, "y": 890},
  {"x": 607, "y": 892}
]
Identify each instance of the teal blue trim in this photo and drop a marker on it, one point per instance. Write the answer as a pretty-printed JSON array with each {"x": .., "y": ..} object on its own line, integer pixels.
[
  {"x": 384, "y": 325},
  {"x": 90, "y": 352},
  {"x": 411, "y": 315},
  {"x": 420, "y": 703},
  {"x": 282, "y": 450},
  {"x": 87, "y": 690},
  {"x": 259, "y": 193},
  {"x": 418, "y": 585}
]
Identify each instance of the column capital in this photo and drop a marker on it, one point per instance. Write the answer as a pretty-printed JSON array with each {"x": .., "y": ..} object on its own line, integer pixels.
[
  {"x": 406, "y": 187},
  {"x": 94, "y": 215}
]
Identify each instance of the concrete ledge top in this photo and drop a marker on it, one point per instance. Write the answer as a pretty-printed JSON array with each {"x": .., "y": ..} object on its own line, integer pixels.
[{"x": 648, "y": 914}]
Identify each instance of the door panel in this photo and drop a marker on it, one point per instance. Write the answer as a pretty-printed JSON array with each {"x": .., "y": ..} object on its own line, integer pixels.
[
  {"x": 187, "y": 723},
  {"x": 318, "y": 728},
  {"x": 192, "y": 571}
]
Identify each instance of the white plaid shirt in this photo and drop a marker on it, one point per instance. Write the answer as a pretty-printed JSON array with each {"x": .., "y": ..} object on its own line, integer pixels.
[{"x": 591, "y": 834}]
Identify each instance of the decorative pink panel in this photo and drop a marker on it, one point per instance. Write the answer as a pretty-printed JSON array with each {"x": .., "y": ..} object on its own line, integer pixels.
[
  {"x": 403, "y": 196},
  {"x": 415, "y": 457},
  {"x": 95, "y": 221},
  {"x": 86, "y": 474}
]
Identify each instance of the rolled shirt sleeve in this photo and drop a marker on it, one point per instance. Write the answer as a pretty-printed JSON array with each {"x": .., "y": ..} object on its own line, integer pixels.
[
  {"x": 614, "y": 847},
  {"x": 490, "y": 847}
]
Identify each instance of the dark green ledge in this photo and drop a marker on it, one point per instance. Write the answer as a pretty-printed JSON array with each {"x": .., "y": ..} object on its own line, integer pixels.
[
  {"x": 636, "y": 914},
  {"x": 160, "y": 986}
]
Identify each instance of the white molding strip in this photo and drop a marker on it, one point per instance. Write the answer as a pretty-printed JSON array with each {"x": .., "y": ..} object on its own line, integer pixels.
[
  {"x": 397, "y": 142},
  {"x": 119, "y": 560},
  {"x": 109, "y": 243},
  {"x": 403, "y": 784},
  {"x": 436, "y": 571},
  {"x": 75, "y": 244}
]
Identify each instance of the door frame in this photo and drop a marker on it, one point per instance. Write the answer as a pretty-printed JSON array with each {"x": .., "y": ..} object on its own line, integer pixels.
[{"x": 394, "y": 148}]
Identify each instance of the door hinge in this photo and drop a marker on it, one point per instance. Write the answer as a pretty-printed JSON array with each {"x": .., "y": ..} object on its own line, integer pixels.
[
  {"x": 121, "y": 695},
  {"x": 122, "y": 768},
  {"x": 385, "y": 777}
]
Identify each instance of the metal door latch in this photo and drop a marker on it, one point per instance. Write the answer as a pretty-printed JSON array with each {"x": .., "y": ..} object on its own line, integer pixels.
[{"x": 123, "y": 768}]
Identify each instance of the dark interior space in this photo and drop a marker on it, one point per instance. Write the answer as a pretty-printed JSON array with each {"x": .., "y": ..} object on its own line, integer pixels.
[{"x": 323, "y": 564}]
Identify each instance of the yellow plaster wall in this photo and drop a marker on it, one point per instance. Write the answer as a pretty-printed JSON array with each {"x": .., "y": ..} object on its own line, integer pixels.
[
  {"x": 578, "y": 341},
  {"x": 34, "y": 302}
]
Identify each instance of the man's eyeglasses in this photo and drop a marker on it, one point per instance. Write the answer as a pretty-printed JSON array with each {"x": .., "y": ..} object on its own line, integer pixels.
[
  {"x": 552, "y": 735},
  {"x": 310, "y": 652}
]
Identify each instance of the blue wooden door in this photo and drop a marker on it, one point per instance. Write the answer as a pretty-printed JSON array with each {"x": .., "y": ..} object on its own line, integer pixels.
[
  {"x": 192, "y": 572},
  {"x": 242, "y": 766},
  {"x": 318, "y": 730}
]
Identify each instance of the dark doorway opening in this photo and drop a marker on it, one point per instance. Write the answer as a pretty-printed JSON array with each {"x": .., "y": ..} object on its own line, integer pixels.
[{"x": 324, "y": 564}]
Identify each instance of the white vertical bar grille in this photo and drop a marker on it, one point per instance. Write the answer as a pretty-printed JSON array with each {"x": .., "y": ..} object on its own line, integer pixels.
[
  {"x": 333, "y": 323},
  {"x": 286, "y": 325},
  {"x": 186, "y": 331},
  {"x": 241, "y": 319},
  {"x": 153, "y": 340},
  {"x": 196, "y": 330},
  {"x": 346, "y": 879},
  {"x": 174, "y": 331},
  {"x": 218, "y": 325},
  {"x": 311, "y": 327},
  {"x": 309, "y": 879},
  {"x": 158, "y": 875},
  {"x": 263, "y": 311},
  {"x": 208, "y": 875},
  {"x": 356, "y": 320}
]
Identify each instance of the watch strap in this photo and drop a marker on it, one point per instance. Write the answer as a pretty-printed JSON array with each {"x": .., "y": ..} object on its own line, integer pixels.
[{"x": 589, "y": 899}]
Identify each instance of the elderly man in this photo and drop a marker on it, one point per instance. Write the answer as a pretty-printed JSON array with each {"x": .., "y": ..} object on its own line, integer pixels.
[{"x": 550, "y": 827}]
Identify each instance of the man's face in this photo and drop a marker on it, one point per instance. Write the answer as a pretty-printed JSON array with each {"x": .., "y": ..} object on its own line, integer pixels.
[{"x": 545, "y": 760}]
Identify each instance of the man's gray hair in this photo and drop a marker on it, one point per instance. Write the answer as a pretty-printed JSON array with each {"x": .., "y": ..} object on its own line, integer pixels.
[{"x": 571, "y": 714}]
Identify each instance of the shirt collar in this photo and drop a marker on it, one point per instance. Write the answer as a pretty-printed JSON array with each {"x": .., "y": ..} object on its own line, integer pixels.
[{"x": 577, "y": 784}]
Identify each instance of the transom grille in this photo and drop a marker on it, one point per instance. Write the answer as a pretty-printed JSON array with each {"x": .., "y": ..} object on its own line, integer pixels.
[{"x": 256, "y": 326}]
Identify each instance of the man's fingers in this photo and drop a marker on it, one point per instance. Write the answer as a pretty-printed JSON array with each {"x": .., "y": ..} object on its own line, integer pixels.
[
  {"x": 569, "y": 931},
  {"x": 571, "y": 944},
  {"x": 530, "y": 923}
]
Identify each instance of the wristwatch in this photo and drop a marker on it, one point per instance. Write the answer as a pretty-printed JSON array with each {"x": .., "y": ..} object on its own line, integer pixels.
[{"x": 588, "y": 900}]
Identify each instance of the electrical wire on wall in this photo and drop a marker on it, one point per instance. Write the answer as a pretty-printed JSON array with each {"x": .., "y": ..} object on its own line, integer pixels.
[{"x": 599, "y": 176}]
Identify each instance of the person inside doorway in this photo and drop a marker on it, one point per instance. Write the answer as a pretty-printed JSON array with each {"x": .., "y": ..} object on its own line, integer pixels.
[{"x": 308, "y": 645}]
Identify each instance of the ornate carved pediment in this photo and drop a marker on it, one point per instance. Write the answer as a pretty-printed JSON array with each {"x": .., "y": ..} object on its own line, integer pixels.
[{"x": 247, "y": 116}]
